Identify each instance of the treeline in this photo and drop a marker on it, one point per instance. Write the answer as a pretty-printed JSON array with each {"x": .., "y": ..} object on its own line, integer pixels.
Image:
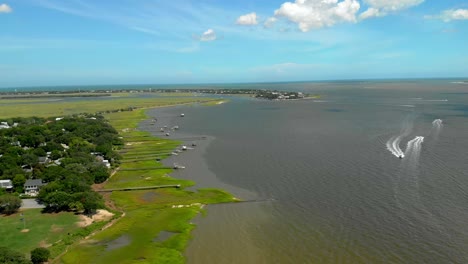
[{"x": 69, "y": 154}]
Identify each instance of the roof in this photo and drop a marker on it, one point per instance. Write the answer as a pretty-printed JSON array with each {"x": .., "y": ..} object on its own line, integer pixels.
[
  {"x": 6, "y": 184},
  {"x": 37, "y": 182}
]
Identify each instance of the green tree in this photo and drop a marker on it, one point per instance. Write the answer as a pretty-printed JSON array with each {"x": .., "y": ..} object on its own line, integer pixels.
[
  {"x": 90, "y": 201},
  {"x": 18, "y": 182},
  {"x": 58, "y": 201},
  {"x": 9, "y": 204},
  {"x": 56, "y": 154},
  {"x": 8, "y": 256},
  {"x": 100, "y": 173},
  {"x": 40, "y": 255},
  {"x": 29, "y": 159}
]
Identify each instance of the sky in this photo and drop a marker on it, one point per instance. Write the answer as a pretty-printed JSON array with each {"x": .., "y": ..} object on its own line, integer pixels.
[{"x": 80, "y": 42}]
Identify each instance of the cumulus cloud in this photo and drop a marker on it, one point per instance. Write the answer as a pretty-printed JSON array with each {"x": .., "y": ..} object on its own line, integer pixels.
[
  {"x": 247, "y": 19},
  {"x": 4, "y": 8},
  {"x": 378, "y": 8},
  {"x": 451, "y": 14},
  {"x": 208, "y": 35},
  {"x": 270, "y": 22},
  {"x": 393, "y": 5},
  {"x": 371, "y": 12},
  {"x": 314, "y": 14}
]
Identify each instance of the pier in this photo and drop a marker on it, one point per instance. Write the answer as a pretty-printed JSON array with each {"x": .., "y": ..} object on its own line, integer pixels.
[{"x": 140, "y": 188}]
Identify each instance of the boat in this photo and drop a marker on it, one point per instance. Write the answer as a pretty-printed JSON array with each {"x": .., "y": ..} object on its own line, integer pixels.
[{"x": 182, "y": 115}]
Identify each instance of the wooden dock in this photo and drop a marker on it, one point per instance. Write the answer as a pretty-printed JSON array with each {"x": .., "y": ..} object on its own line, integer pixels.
[{"x": 140, "y": 188}]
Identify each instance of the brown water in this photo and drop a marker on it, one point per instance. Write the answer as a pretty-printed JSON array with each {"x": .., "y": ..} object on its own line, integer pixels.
[{"x": 340, "y": 194}]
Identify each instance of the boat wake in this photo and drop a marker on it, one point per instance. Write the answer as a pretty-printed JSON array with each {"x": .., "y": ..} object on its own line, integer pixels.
[
  {"x": 413, "y": 148},
  {"x": 393, "y": 144},
  {"x": 436, "y": 127}
]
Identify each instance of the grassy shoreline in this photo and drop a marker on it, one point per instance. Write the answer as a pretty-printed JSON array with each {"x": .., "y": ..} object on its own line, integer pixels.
[{"x": 150, "y": 215}]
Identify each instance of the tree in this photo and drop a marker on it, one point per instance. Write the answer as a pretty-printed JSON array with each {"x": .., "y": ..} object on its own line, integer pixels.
[
  {"x": 58, "y": 200},
  {"x": 29, "y": 159},
  {"x": 90, "y": 201},
  {"x": 18, "y": 182},
  {"x": 100, "y": 173},
  {"x": 40, "y": 255},
  {"x": 9, "y": 256},
  {"x": 9, "y": 204},
  {"x": 56, "y": 154}
]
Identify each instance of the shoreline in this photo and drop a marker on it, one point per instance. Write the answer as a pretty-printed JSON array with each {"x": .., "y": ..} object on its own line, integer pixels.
[
  {"x": 194, "y": 159},
  {"x": 149, "y": 214}
]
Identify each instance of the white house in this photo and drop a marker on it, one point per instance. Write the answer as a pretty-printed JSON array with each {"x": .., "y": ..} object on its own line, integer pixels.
[
  {"x": 31, "y": 187},
  {"x": 6, "y": 184}
]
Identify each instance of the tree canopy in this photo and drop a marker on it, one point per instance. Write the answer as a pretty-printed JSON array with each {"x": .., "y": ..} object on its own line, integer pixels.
[{"x": 66, "y": 153}]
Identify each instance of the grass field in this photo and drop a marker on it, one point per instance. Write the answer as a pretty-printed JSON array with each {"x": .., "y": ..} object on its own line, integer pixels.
[
  {"x": 140, "y": 236},
  {"x": 44, "y": 229},
  {"x": 56, "y": 107}
]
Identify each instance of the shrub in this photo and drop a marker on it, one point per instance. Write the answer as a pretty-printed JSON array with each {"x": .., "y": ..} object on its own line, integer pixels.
[{"x": 40, "y": 255}]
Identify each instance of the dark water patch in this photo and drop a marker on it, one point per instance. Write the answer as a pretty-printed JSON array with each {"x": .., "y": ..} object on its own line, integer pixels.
[
  {"x": 163, "y": 236},
  {"x": 117, "y": 243},
  {"x": 149, "y": 196}
]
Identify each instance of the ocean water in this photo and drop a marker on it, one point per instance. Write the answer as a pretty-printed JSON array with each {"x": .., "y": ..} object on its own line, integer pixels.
[{"x": 330, "y": 185}]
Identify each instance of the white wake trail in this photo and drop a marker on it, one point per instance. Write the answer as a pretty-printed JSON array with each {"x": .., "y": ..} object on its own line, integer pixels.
[
  {"x": 393, "y": 144},
  {"x": 413, "y": 147}
]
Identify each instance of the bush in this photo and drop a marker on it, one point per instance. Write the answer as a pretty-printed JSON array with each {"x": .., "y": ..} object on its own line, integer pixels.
[
  {"x": 9, "y": 256},
  {"x": 40, "y": 255},
  {"x": 9, "y": 204}
]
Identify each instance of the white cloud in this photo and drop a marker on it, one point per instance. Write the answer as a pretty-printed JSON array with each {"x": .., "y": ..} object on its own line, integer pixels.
[
  {"x": 314, "y": 14},
  {"x": 269, "y": 22},
  {"x": 247, "y": 19},
  {"x": 4, "y": 8},
  {"x": 393, "y": 5},
  {"x": 371, "y": 12},
  {"x": 378, "y": 8},
  {"x": 451, "y": 14},
  {"x": 208, "y": 35}
]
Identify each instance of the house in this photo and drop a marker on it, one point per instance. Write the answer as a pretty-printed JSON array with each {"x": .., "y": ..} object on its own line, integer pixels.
[
  {"x": 31, "y": 187},
  {"x": 106, "y": 163},
  {"x": 4, "y": 125},
  {"x": 43, "y": 160},
  {"x": 6, "y": 184}
]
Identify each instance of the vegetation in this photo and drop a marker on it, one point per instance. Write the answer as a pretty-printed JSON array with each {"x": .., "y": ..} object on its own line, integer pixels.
[
  {"x": 40, "y": 255},
  {"x": 10, "y": 108},
  {"x": 72, "y": 168},
  {"x": 147, "y": 212},
  {"x": 66, "y": 153},
  {"x": 9, "y": 204},
  {"x": 42, "y": 230},
  {"x": 8, "y": 256}
]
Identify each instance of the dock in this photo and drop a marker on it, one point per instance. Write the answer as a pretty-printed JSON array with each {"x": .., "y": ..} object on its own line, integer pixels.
[{"x": 140, "y": 188}]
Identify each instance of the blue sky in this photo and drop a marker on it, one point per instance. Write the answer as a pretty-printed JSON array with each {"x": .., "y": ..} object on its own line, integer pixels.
[{"x": 77, "y": 42}]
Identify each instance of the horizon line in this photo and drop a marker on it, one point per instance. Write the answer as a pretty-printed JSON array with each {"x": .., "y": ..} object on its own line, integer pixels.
[{"x": 235, "y": 83}]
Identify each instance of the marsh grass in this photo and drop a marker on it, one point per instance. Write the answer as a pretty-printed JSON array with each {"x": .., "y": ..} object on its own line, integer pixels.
[{"x": 148, "y": 212}]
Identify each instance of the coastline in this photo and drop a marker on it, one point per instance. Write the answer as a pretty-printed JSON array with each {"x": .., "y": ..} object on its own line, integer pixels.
[
  {"x": 206, "y": 244},
  {"x": 161, "y": 215}
]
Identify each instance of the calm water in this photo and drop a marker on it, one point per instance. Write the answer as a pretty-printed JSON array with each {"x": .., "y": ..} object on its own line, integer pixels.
[{"x": 341, "y": 194}]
